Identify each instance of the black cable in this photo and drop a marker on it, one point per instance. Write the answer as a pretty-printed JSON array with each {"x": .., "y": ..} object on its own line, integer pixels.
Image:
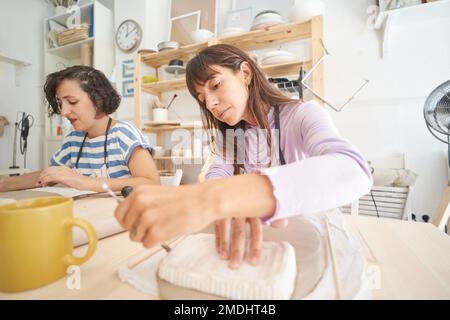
[
  {"x": 374, "y": 202},
  {"x": 300, "y": 85},
  {"x": 24, "y": 127}
]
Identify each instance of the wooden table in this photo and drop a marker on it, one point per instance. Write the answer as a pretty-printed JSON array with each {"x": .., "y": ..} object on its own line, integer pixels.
[
  {"x": 7, "y": 172},
  {"x": 413, "y": 259}
]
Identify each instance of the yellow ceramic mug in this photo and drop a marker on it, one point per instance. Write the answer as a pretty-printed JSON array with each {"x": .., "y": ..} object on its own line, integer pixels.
[{"x": 36, "y": 242}]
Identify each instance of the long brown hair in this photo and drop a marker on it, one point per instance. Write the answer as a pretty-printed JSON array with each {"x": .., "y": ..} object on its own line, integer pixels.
[{"x": 262, "y": 94}]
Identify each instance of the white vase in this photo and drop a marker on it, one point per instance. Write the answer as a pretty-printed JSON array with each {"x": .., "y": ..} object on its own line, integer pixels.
[
  {"x": 60, "y": 10},
  {"x": 304, "y": 10}
]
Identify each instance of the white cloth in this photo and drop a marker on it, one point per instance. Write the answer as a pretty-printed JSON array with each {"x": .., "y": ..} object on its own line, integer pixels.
[{"x": 143, "y": 276}]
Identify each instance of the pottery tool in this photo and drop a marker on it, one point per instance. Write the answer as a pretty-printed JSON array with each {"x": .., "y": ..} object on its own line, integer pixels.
[
  {"x": 107, "y": 189},
  {"x": 91, "y": 195},
  {"x": 171, "y": 101},
  {"x": 138, "y": 260}
]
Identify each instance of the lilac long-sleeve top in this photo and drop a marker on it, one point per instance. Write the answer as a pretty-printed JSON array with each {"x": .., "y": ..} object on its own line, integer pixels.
[{"x": 323, "y": 170}]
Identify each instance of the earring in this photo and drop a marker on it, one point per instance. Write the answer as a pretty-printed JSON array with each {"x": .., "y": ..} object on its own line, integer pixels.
[{"x": 99, "y": 115}]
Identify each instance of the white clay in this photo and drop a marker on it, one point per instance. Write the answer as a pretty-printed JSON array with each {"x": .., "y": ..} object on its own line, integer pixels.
[{"x": 194, "y": 264}]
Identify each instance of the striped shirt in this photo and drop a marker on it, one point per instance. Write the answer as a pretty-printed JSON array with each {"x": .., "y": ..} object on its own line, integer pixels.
[{"x": 123, "y": 138}]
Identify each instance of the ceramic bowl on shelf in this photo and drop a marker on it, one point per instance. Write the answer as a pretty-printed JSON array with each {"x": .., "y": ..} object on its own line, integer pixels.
[
  {"x": 146, "y": 51},
  {"x": 265, "y": 25},
  {"x": 277, "y": 57},
  {"x": 168, "y": 45},
  {"x": 201, "y": 35},
  {"x": 232, "y": 31},
  {"x": 265, "y": 19},
  {"x": 268, "y": 15},
  {"x": 175, "y": 67}
]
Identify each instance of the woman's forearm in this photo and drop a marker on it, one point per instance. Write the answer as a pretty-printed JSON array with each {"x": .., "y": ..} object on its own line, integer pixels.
[
  {"x": 249, "y": 195},
  {"x": 94, "y": 184},
  {"x": 25, "y": 181}
]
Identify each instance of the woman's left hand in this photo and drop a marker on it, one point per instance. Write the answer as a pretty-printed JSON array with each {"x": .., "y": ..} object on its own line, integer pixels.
[
  {"x": 231, "y": 237},
  {"x": 64, "y": 175}
]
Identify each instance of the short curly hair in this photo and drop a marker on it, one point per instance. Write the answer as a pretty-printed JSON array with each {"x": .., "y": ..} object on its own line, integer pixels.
[{"x": 92, "y": 81}]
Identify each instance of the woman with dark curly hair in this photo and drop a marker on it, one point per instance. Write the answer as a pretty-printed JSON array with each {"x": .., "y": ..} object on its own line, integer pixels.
[{"x": 99, "y": 147}]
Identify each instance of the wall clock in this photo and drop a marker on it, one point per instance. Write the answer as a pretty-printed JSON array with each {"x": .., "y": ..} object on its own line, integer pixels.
[{"x": 128, "y": 35}]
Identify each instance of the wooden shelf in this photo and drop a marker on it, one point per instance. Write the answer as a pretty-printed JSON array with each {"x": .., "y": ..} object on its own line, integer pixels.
[
  {"x": 157, "y": 59},
  {"x": 162, "y": 128},
  {"x": 69, "y": 50},
  {"x": 274, "y": 70},
  {"x": 284, "y": 69},
  {"x": 248, "y": 40},
  {"x": 157, "y": 88},
  {"x": 269, "y": 36}
]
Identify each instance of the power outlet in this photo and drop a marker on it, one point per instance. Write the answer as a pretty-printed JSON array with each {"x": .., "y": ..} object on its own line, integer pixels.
[{"x": 421, "y": 218}]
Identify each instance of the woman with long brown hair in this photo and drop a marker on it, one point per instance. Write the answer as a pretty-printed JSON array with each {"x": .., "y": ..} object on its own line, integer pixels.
[{"x": 274, "y": 158}]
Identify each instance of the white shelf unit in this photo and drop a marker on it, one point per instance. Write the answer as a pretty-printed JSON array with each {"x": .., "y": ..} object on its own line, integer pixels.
[
  {"x": 16, "y": 62},
  {"x": 101, "y": 45},
  {"x": 72, "y": 50},
  {"x": 387, "y": 19},
  {"x": 13, "y": 60}
]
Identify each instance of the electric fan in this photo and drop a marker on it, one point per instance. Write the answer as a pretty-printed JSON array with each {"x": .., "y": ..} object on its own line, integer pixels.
[{"x": 436, "y": 112}]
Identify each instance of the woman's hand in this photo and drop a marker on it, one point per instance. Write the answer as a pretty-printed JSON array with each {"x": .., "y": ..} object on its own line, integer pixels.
[
  {"x": 3, "y": 185},
  {"x": 234, "y": 248},
  {"x": 154, "y": 214},
  {"x": 64, "y": 175}
]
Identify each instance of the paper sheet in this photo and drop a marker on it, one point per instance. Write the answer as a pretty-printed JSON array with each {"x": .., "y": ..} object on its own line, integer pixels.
[
  {"x": 63, "y": 191},
  {"x": 99, "y": 212}
]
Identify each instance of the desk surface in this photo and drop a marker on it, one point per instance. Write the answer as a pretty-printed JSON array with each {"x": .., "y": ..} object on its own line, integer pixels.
[
  {"x": 6, "y": 172},
  {"x": 413, "y": 259}
]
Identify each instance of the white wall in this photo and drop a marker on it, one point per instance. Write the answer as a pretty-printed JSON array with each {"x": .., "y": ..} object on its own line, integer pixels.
[
  {"x": 21, "y": 36},
  {"x": 387, "y": 116}
]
